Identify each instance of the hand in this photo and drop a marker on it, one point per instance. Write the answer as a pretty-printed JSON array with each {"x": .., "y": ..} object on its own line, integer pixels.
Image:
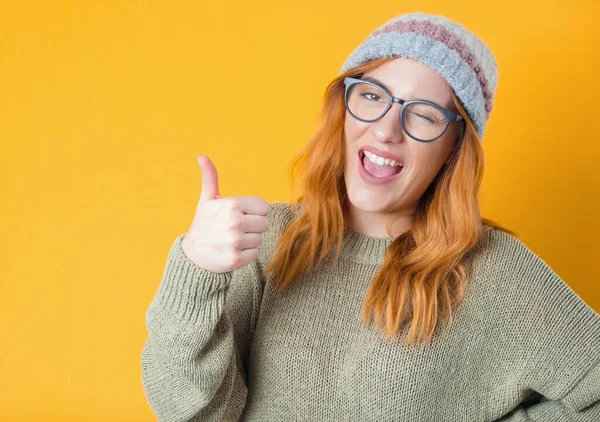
[{"x": 226, "y": 232}]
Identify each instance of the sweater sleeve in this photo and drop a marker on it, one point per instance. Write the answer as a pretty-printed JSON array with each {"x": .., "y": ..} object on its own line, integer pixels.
[
  {"x": 580, "y": 404},
  {"x": 560, "y": 336},
  {"x": 192, "y": 360}
]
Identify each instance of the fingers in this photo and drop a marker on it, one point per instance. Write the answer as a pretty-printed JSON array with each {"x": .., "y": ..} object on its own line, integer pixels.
[
  {"x": 248, "y": 205},
  {"x": 255, "y": 223},
  {"x": 210, "y": 182},
  {"x": 250, "y": 241},
  {"x": 244, "y": 257},
  {"x": 248, "y": 223}
]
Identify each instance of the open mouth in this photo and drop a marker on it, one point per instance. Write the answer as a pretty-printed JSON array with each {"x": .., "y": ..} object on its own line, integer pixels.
[{"x": 376, "y": 167}]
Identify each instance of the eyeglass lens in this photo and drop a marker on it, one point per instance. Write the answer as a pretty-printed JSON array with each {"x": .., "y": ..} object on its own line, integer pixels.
[{"x": 422, "y": 121}]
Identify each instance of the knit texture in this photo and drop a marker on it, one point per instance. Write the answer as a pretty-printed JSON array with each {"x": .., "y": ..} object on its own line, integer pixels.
[
  {"x": 523, "y": 345},
  {"x": 456, "y": 53}
]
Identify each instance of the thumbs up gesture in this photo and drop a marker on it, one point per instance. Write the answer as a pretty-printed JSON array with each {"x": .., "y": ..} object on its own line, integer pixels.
[{"x": 226, "y": 232}]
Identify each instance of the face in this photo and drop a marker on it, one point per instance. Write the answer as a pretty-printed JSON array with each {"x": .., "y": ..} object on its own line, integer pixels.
[{"x": 421, "y": 161}]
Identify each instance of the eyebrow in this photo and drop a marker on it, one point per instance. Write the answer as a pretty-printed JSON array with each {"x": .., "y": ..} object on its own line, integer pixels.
[{"x": 376, "y": 81}]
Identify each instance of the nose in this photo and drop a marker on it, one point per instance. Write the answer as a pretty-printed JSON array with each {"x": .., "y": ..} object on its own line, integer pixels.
[{"x": 388, "y": 128}]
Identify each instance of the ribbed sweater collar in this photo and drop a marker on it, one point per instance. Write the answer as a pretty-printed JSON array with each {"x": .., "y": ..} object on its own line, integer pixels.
[{"x": 365, "y": 249}]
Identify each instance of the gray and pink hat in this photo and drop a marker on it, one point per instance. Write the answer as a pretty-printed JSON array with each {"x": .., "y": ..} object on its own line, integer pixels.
[{"x": 457, "y": 54}]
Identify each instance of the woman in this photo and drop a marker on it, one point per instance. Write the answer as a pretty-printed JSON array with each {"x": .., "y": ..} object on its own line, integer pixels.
[{"x": 379, "y": 294}]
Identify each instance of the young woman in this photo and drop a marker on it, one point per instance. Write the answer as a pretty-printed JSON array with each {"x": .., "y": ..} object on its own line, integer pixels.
[{"x": 380, "y": 293}]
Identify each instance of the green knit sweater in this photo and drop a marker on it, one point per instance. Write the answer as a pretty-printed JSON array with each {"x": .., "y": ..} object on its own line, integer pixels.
[{"x": 523, "y": 346}]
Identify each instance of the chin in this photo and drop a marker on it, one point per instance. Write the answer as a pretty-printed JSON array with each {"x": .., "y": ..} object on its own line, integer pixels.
[{"x": 365, "y": 199}]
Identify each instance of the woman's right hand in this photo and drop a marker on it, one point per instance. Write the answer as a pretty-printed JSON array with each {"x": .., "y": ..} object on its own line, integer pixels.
[{"x": 226, "y": 232}]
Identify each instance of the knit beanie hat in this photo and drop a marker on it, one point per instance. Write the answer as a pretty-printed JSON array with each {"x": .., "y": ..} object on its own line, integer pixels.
[{"x": 457, "y": 54}]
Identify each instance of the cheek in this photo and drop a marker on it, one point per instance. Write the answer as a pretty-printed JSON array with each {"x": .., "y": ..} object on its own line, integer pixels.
[
  {"x": 426, "y": 156},
  {"x": 428, "y": 160},
  {"x": 350, "y": 137},
  {"x": 353, "y": 129}
]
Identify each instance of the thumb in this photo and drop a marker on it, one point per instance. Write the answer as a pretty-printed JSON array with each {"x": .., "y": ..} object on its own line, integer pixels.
[{"x": 210, "y": 183}]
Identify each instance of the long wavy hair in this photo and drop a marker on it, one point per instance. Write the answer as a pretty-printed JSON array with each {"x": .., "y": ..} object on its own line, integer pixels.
[{"x": 425, "y": 269}]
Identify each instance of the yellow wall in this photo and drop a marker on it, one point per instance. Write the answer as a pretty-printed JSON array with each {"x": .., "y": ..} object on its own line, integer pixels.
[{"x": 104, "y": 107}]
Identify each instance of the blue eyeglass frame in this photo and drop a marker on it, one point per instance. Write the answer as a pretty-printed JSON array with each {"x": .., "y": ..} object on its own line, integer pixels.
[{"x": 450, "y": 115}]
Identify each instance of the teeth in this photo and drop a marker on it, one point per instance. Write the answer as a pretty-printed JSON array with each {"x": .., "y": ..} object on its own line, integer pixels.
[{"x": 380, "y": 160}]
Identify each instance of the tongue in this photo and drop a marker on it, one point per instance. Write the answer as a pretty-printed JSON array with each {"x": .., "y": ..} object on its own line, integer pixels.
[{"x": 380, "y": 171}]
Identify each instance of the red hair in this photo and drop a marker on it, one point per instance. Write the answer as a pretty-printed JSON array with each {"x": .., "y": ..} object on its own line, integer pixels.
[{"x": 425, "y": 269}]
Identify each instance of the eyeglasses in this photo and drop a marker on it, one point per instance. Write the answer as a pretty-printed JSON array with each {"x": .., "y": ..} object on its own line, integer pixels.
[{"x": 422, "y": 120}]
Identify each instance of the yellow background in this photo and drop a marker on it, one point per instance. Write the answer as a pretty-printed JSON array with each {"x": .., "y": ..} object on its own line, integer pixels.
[{"x": 104, "y": 107}]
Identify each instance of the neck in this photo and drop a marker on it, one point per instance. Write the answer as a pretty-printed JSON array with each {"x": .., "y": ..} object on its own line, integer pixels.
[{"x": 374, "y": 224}]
